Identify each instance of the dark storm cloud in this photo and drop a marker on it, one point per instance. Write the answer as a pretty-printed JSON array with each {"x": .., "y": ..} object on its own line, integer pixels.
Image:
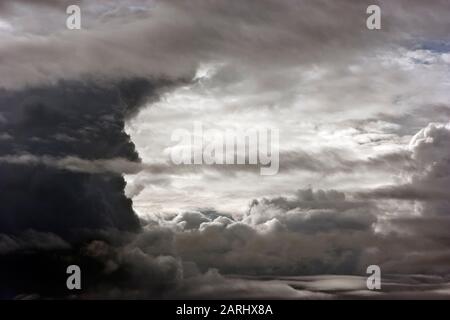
[
  {"x": 45, "y": 198},
  {"x": 275, "y": 237},
  {"x": 61, "y": 181}
]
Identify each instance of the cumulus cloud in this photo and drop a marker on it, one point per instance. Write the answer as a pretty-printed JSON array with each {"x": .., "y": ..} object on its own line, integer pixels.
[{"x": 428, "y": 180}]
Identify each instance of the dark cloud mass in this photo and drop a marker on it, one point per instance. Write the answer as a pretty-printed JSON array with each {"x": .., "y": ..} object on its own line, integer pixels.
[
  {"x": 64, "y": 207},
  {"x": 71, "y": 119}
]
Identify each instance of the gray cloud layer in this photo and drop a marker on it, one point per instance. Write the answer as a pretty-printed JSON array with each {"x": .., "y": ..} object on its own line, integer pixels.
[
  {"x": 65, "y": 97},
  {"x": 174, "y": 37}
]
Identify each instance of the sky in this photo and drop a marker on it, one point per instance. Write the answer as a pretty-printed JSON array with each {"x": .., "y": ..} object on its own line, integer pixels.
[{"x": 86, "y": 124}]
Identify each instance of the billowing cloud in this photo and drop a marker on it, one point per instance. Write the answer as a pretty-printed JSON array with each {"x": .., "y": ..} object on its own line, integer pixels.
[{"x": 59, "y": 137}]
